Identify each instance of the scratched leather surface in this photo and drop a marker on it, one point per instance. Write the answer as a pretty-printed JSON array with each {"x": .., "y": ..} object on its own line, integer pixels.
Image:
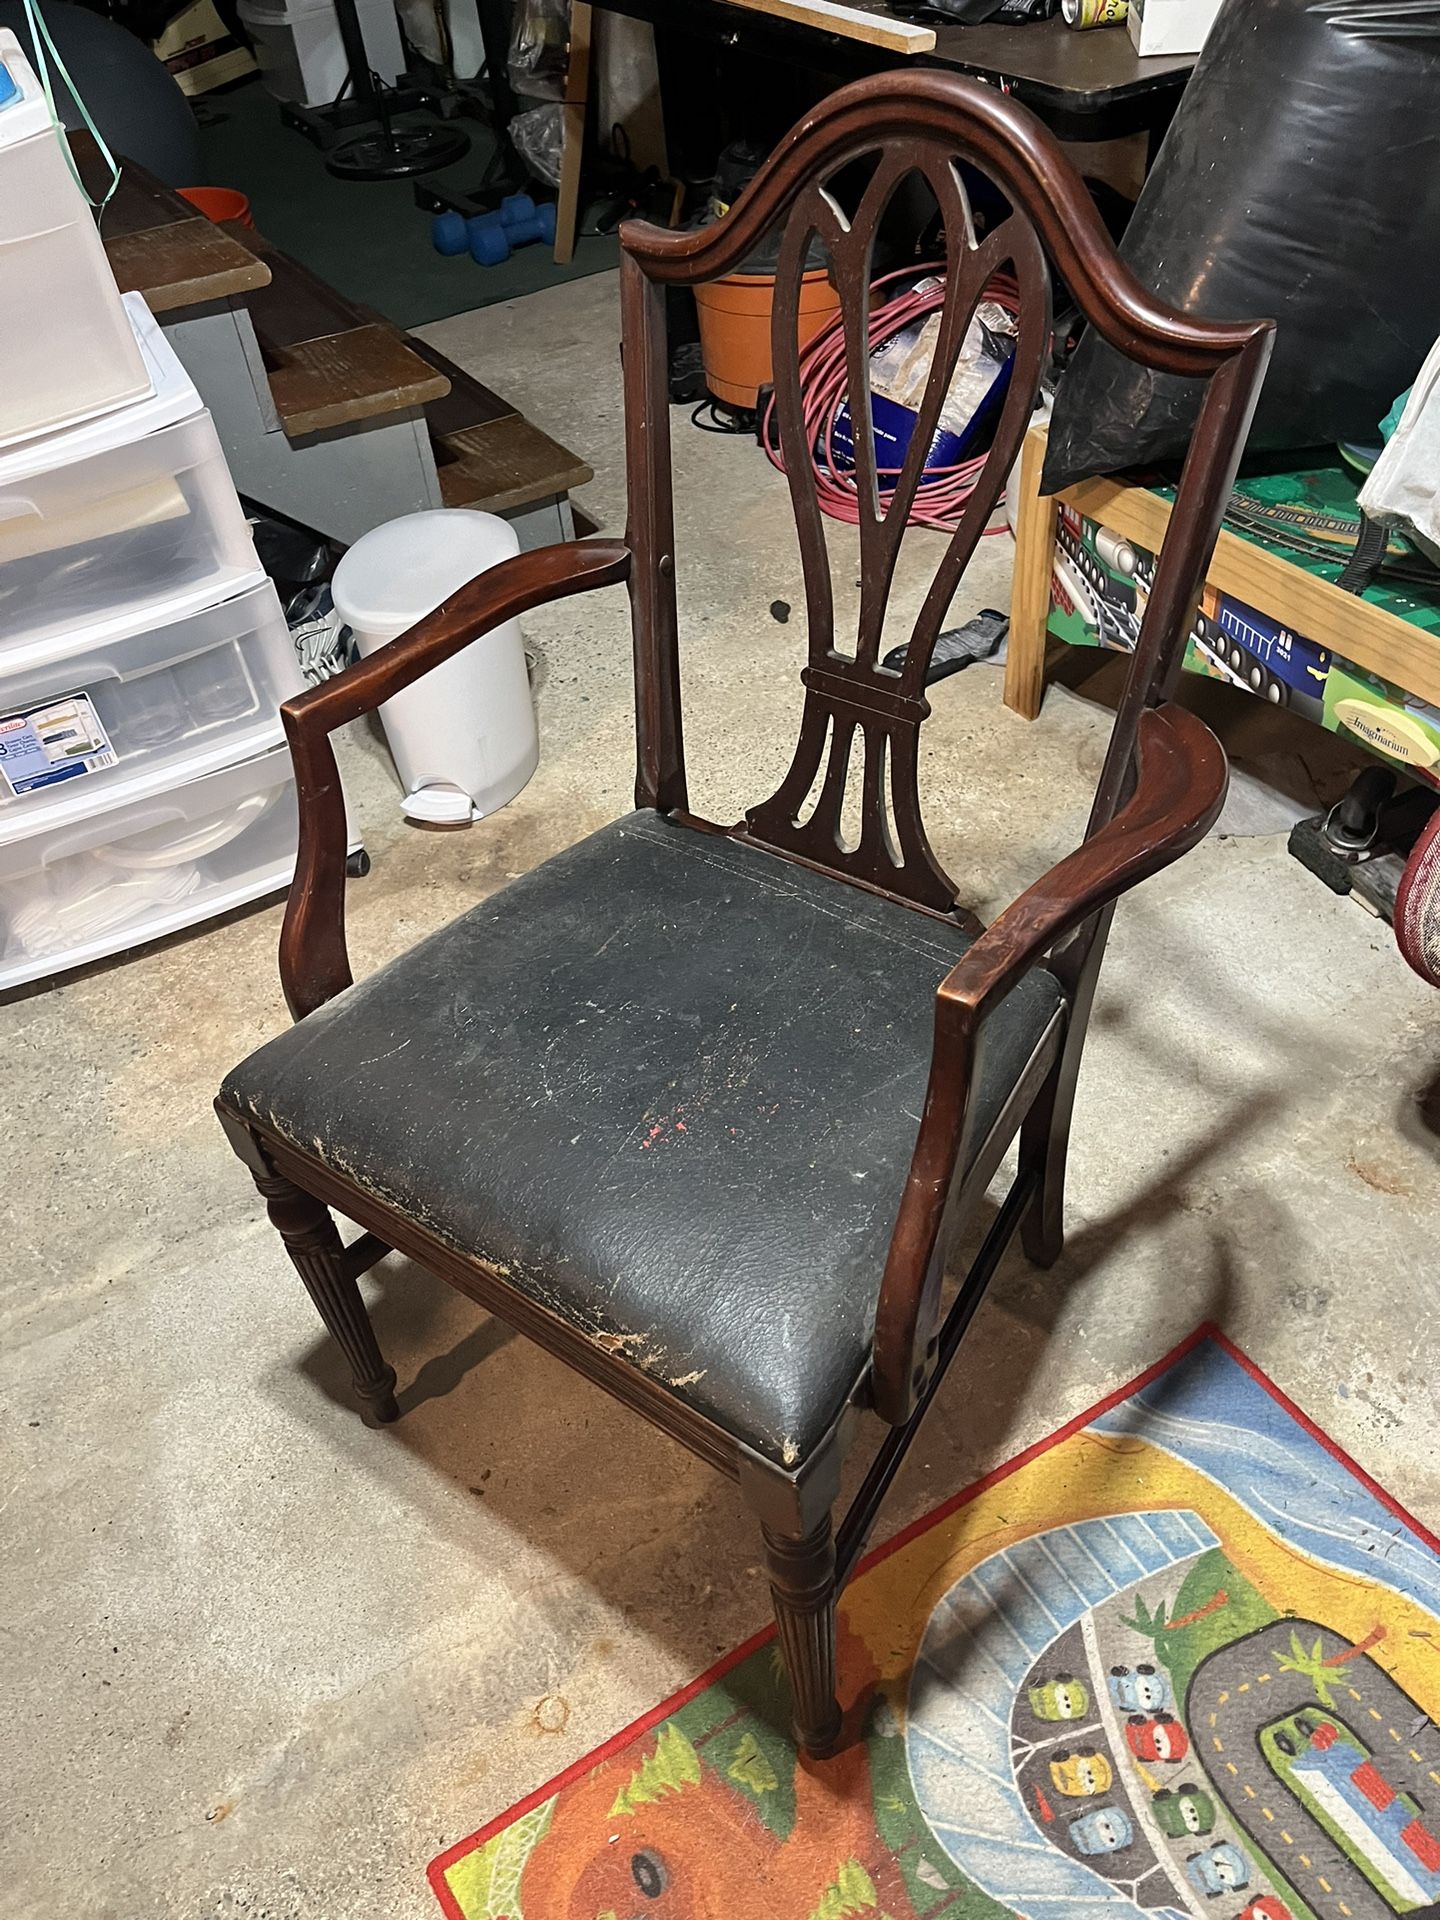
[{"x": 670, "y": 1085}]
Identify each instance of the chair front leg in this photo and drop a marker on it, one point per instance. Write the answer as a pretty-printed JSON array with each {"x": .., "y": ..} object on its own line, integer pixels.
[
  {"x": 803, "y": 1589},
  {"x": 1044, "y": 1149},
  {"x": 308, "y": 1230}
]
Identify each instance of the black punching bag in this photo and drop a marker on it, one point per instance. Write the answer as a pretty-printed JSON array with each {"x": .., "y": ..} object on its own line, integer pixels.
[{"x": 1300, "y": 182}]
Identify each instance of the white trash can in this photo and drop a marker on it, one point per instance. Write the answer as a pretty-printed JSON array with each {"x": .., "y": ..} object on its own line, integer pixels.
[{"x": 463, "y": 736}]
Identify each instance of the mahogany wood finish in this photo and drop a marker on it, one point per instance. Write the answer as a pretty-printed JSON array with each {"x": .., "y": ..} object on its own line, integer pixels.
[
  {"x": 802, "y": 1590},
  {"x": 314, "y": 963},
  {"x": 849, "y": 805}
]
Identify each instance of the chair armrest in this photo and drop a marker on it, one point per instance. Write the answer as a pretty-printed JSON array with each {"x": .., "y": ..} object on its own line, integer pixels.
[
  {"x": 314, "y": 964},
  {"x": 1180, "y": 786},
  {"x": 1181, "y": 779}
]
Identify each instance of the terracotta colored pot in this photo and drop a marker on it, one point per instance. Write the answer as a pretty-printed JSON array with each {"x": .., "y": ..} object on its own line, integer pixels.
[{"x": 735, "y": 329}]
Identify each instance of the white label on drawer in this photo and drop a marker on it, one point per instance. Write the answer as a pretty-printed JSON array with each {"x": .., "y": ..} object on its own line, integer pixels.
[{"x": 60, "y": 741}]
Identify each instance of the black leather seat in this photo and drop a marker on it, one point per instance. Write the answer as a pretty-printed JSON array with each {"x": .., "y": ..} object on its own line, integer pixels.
[{"x": 658, "y": 1025}]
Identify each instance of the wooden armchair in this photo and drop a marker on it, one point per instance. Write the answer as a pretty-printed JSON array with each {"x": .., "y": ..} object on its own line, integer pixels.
[{"x": 653, "y": 1103}]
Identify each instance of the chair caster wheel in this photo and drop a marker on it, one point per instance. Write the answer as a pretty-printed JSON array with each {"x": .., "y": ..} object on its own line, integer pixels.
[{"x": 357, "y": 864}]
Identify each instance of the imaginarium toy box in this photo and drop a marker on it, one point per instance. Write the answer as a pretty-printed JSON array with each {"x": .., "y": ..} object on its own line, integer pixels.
[{"x": 1101, "y": 581}]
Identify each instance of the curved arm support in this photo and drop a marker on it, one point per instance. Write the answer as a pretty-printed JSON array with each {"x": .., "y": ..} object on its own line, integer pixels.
[
  {"x": 1181, "y": 778},
  {"x": 314, "y": 964}
]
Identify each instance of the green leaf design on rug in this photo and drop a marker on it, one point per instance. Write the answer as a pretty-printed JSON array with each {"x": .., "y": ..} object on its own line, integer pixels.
[
  {"x": 1149, "y": 1625},
  {"x": 1311, "y": 1664},
  {"x": 851, "y": 1891},
  {"x": 750, "y": 1768},
  {"x": 672, "y": 1767},
  {"x": 486, "y": 1884}
]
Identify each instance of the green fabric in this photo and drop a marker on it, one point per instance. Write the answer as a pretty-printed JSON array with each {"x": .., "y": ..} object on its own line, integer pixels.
[{"x": 1392, "y": 418}]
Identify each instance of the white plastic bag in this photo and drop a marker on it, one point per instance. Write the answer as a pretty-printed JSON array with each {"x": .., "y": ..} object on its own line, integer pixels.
[
  {"x": 539, "y": 138},
  {"x": 1403, "y": 489},
  {"x": 540, "y": 48}
]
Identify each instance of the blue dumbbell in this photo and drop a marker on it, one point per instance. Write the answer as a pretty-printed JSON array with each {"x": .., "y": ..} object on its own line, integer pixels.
[
  {"x": 493, "y": 237},
  {"x": 447, "y": 233}
]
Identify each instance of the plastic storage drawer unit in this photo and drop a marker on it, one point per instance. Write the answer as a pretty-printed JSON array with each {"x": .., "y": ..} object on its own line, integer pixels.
[
  {"x": 190, "y": 694},
  {"x": 69, "y": 350},
  {"x": 135, "y": 510},
  {"x": 145, "y": 868}
]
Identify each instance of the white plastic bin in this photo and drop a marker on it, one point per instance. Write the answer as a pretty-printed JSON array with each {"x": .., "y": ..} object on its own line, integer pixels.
[
  {"x": 140, "y": 705},
  {"x": 66, "y": 348},
  {"x": 145, "y": 868},
  {"x": 300, "y": 53},
  {"x": 133, "y": 510},
  {"x": 464, "y": 736}
]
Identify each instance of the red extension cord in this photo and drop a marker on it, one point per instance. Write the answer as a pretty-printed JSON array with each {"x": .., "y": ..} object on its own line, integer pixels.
[{"x": 943, "y": 491}]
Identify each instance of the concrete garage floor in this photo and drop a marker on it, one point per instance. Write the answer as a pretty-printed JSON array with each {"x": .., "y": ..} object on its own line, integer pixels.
[{"x": 264, "y": 1662}]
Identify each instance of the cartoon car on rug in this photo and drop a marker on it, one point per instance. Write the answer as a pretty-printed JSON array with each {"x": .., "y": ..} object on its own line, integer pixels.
[
  {"x": 1079, "y": 1774},
  {"x": 1267, "y": 1907},
  {"x": 1106, "y": 1830},
  {"x": 1143, "y": 1691},
  {"x": 1160, "y": 1737},
  {"x": 1219, "y": 1869},
  {"x": 1061, "y": 1698},
  {"x": 1185, "y": 1810}
]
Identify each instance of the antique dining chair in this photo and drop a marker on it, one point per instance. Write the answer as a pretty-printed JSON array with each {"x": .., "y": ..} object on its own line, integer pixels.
[{"x": 654, "y": 1103}]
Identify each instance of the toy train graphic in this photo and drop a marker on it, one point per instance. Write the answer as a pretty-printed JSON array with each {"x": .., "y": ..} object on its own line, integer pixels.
[
  {"x": 1105, "y": 580},
  {"x": 1383, "y": 1829}
]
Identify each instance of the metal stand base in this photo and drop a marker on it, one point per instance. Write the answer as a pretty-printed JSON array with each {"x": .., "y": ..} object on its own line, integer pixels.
[
  {"x": 395, "y": 153},
  {"x": 324, "y": 126}
]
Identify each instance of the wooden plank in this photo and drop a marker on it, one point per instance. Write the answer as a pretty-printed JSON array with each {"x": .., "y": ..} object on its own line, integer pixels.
[
  {"x": 158, "y": 245},
  {"x": 184, "y": 265},
  {"x": 140, "y": 201},
  {"x": 469, "y": 403},
  {"x": 360, "y": 375},
  {"x": 1030, "y": 590},
  {"x": 850, "y": 23},
  {"x": 505, "y": 464},
  {"x": 297, "y": 305},
  {"x": 330, "y": 363},
  {"x": 572, "y": 152},
  {"x": 1081, "y": 71},
  {"x": 486, "y": 453}
]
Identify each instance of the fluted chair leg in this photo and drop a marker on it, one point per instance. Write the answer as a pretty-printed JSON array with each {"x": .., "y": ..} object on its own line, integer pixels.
[
  {"x": 804, "y": 1590},
  {"x": 319, "y": 1256}
]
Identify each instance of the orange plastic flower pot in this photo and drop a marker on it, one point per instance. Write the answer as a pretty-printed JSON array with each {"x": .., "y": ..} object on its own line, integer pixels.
[
  {"x": 735, "y": 329},
  {"x": 219, "y": 203}
]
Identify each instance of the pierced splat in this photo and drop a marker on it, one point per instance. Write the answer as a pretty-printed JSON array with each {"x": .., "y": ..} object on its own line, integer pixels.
[{"x": 853, "y": 705}]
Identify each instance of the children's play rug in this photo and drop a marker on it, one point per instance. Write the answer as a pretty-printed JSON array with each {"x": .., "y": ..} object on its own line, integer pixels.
[{"x": 1182, "y": 1658}]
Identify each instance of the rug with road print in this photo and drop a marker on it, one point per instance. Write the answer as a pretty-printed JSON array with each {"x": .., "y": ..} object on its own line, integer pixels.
[{"x": 1181, "y": 1659}]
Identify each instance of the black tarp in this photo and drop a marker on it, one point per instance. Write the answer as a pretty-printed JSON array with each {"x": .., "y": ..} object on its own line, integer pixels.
[{"x": 1299, "y": 181}]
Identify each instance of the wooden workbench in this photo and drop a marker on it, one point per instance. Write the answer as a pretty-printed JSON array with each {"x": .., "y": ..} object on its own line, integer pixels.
[{"x": 1085, "y": 85}]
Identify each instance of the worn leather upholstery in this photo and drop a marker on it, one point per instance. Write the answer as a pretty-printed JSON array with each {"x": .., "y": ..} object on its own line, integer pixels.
[{"x": 668, "y": 1085}]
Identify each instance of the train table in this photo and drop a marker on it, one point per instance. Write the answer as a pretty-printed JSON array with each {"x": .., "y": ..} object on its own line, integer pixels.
[{"x": 1271, "y": 620}]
